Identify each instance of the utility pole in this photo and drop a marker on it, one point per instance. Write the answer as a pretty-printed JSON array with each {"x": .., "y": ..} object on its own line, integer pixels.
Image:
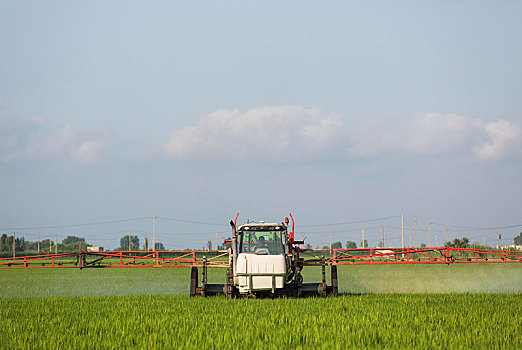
[
  {"x": 429, "y": 233},
  {"x": 447, "y": 235},
  {"x": 416, "y": 245},
  {"x": 55, "y": 243},
  {"x": 402, "y": 229},
  {"x": 363, "y": 245},
  {"x": 383, "y": 244},
  {"x": 130, "y": 240},
  {"x": 38, "y": 233},
  {"x": 498, "y": 240},
  {"x": 154, "y": 233},
  {"x": 14, "y": 247}
]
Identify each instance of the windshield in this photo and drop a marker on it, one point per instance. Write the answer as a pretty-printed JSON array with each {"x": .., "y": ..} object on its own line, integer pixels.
[{"x": 261, "y": 242}]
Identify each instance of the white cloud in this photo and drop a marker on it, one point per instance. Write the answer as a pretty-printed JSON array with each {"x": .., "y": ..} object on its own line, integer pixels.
[
  {"x": 267, "y": 133},
  {"x": 92, "y": 150},
  {"x": 439, "y": 134},
  {"x": 35, "y": 139},
  {"x": 503, "y": 139},
  {"x": 291, "y": 132},
  {"x": 444, "y": 133}
]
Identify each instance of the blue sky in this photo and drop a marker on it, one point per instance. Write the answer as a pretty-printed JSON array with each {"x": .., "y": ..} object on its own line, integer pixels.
[{"x": 339, "y": 113}]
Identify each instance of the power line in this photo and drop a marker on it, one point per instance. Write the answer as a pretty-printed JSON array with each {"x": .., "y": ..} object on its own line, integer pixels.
[
  {"x": 476, "y": 228},
  {"x": 74, "y": 225},
  {"x": 407, "y": 223},
  {"x": 190, "y": 221},
  {"x": 352, "y": 222}
]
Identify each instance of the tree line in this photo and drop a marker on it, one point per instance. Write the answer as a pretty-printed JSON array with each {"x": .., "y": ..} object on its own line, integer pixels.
[
  {"x": 463, "y": 242},
  {"x": 68, "y": 244}
]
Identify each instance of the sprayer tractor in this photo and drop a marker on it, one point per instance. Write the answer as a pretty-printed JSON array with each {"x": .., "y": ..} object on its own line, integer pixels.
[{"x": 264, "y": 261}]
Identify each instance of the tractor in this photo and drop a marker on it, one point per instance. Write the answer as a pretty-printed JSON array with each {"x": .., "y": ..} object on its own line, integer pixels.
[{"x": 264, "y": 261}]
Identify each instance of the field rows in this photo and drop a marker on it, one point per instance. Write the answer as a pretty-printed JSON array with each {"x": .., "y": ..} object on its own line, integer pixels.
[{"x": 392, "y": 321}]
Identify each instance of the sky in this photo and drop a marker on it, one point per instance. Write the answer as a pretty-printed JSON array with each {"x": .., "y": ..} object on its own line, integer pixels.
[{"x": 346, "y": 114}]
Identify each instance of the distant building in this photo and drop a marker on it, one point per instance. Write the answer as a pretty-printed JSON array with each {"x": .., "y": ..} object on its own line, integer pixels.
[
  {"x": 95, "y": 249},
  {"x": 386, "y": 254}
]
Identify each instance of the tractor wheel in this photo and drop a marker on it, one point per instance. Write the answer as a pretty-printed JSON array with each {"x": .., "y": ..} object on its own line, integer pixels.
[
  {"x": 335, "y": 283},
  {"x": 193, "y": 280},
  {"x": 298, "y": 282},
  {"x": 230, "y": 284}
]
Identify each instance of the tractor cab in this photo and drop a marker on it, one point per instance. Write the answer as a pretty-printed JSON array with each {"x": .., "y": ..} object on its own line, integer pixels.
[{"x": 263, "y": 239}]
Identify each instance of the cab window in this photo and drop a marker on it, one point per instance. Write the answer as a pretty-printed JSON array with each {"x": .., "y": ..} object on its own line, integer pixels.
[{"x": 261, "y": 242}]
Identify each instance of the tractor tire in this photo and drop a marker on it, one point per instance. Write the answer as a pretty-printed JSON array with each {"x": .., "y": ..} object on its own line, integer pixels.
[
  {"x": 193, "y": 280},
  {"x": 230, "y": 284},
  {"x": 335, "y": 283}
]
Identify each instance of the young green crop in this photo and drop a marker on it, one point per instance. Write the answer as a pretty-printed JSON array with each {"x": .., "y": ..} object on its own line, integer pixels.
[
  {"x": 463, "y": 278},
  {"x": 135, "y": 308},
  {"x": 362, "y": 321}
]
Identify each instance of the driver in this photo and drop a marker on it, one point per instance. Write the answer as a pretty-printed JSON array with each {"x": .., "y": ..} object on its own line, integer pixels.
[{"x": 262, "y": 244}]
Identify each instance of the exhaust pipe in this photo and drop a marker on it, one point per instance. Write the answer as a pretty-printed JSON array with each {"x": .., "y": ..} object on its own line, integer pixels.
[{"x": 234, "y": 245}]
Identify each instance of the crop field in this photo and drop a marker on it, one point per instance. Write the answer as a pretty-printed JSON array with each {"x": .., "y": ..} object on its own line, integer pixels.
[
  {"x": 464, "y": 278},
  {"x": 440, "y": 307},
  {"x": 366, "y": 321}
]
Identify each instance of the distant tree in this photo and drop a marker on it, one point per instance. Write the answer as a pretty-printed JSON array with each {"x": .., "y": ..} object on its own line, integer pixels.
[
  {"x": 124, "y": 243},
  {"x": 423, "y": 245},
  {"x": 351, "y": 245},
  {"x": 337, "y": 245},
  {"x": 364, "y": 244},
  {"x": 458, "y": 243},
  {"x": 6, "y": 243},
  {"x": 308, "y": 246},
  {"x": 45, "y": 244},
  {"x": 518, "y": 239},
  {"x": 325, "y": 247},
  {"x": 464, "y": 243},
  {"x": 72, "y": 240},
  {"x": 73, "y": 244},
  {"x": 20, "y": 244},
  {"x": 159, "y": 246},
  {"x": 31, "y": 246}
]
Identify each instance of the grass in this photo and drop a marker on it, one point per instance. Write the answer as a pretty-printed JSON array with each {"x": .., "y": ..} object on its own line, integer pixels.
[
  {"x": 365, "y": 321},
  {"x": 457, "y": 278},
  {"x": 422, "y": 306}
]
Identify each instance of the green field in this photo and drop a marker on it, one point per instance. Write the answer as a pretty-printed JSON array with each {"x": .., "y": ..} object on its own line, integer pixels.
[
  {"x": 440, "y": 307},
  {"x": 365, "y": 321},
  {"x": 463, "y": 278}
]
